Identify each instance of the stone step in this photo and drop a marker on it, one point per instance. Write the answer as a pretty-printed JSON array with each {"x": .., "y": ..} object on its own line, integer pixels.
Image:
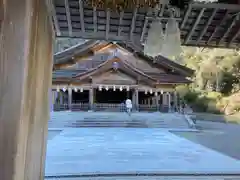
[
  {"x": 83, "y": 119},
  {"x": 98, "y": 123}
]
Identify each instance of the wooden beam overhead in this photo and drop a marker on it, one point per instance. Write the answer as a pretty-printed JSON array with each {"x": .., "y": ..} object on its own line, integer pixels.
[
  {"x": 120, "y": 22},
  {"x": 107, "y": 23},
  {"x": 81, "y": 16},
  {"x": 192, "y": 22},
  {"x": 216, "y": 28},
  {"x": 69, "y": 21},
  {"x": 234, "y": 7},
  {"x": 145, "y": 25},
  {"x": 206, "y": 26},
  {"x": 234, "y": 37},
  {"x": 133, "y": 22},
  {"x": 236, "y": 18},
  {"x": 195, "y": 25},
  {"x": 144, "y": 29},
  {"x": 186, "y": 16},
  {"x": 52, "y": 12},
  {"x": 95, "y": 19}
]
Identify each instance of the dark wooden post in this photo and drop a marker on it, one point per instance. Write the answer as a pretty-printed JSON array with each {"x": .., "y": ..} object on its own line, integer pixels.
[
  {"x": 91, "y": 98},
  {"x": 136, "y": 99},
  {"x": 25, "y": 79},
  {"x": 70, "y": 98}
]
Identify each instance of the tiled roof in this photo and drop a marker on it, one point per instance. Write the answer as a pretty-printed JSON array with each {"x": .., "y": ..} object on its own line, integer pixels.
[
  {"x": 69, "y": 73},
  {"x": 66, "y": 56},
  {"x": 163, "y": 78},
  {"x": 161, "y": 60},
  {"x": 85, "y": 66}
]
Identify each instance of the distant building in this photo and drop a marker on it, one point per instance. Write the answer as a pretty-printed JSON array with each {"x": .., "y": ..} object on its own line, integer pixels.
[{"x": 98, "y": 76}]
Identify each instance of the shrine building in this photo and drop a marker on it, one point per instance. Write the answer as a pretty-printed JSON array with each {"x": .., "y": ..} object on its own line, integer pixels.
[{"x": 100, "y": 76}]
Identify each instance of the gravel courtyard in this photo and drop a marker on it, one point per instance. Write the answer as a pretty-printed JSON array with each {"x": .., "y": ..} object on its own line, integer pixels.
[{"x": 122, "y": 150}]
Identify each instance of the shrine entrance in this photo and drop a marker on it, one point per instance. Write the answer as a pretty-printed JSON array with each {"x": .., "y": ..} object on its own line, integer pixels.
[{"x": 112, "y": 96}]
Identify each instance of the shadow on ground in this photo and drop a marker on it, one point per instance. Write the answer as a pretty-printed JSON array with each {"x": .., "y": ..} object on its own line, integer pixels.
[{"x": 221, "y": 137}]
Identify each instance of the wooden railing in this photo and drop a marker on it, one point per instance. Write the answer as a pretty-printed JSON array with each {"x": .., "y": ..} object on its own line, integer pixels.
[{"x": 107, "y": 107}]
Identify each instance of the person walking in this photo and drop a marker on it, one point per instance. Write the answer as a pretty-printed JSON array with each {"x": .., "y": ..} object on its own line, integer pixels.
[{"x": 128, "y": 104}]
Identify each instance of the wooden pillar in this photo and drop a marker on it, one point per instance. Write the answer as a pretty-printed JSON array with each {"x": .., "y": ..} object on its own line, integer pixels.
[
  {"x": 91, "y": 98},
  {"x": 165, "y": 99},
  {"x": 25, "y": 80},
  {"x": 157, "y": 102},
  {"x": 175, "y": 100},
  {"x": 54, "y": 97},
  {"x": 69, "y": 98},
  {"x": 51, "y": 96},
  {"x": 169, "y": 100},
  {"x": 136, "y": 99},
  {"x": 60, "y": 95},
  {"x": 153, "y": 102}
]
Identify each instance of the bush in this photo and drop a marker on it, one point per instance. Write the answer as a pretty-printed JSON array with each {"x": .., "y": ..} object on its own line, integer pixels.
[
  {"x": 212, "y": 107},
  {"x": 191, "y": 97},
  {"x": 222, "y": 104},
  {"x": 182, "y": 90},
  {"x": 214, "y": 95},
  {"x": 201, "y": 104}
]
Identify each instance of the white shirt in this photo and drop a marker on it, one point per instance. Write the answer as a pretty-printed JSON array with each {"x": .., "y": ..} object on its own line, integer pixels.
[{"x": 128, "y": 103}]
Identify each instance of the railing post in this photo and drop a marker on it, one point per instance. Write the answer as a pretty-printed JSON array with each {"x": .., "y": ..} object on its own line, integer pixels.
[
  {"x": 136, "y": 100},
  {"x": 69, "y": 98},
  {"x": 157, "y": 102},
  {"x": 91, "y": 98}
]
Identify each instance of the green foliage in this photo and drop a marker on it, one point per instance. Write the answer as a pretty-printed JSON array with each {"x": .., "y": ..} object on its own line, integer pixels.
[
  {"x": 214, "y": 96},
  {"x": 182, "y": 90},
  {"x": 217, "y": 76},
  {"x": 191, "y": 97}
]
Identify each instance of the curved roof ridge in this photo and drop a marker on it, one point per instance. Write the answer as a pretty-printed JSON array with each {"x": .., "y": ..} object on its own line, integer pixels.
[
  {"x": 135, "y": 69},
  {"x": 69, "y": 48},
  {"x": 93, "y": 69},
  {"x": 69, "y": 52},
  {"x": 159, "y": 59},
  {"x": 125, "y": 64}
]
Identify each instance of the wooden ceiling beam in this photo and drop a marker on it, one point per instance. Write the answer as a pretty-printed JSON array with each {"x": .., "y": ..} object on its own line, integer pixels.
[
  {"x": 107, "y": 23},
  {"x": 233, "y": 7},
  {"x": 194, "y": 26},
  {"x": 52, "y": 12},
  {"x": 81, "y": 16},
  {"x": 95, "y": 19},
  {"x": 144, "y": 29},
  {"x": 186, "y": 16},
  {"x": 69, "y": 21},
  {"x": 236, "y": 18},
  {"x": 206, "y": 26},
  {"x": 234, "y": 37},
  {"x": 120, "y": 22},
  {"x": 216, "y": 28},
  {"x": 145, "y": 26},
  {"x": 133, "y": 23}
]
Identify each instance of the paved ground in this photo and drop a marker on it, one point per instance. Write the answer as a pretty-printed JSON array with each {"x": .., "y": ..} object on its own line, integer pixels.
[
  {"x": 149, "y": 178},
  {"x": 53, "y": 133},
  {"x": 111, "y": 150},
  {"x": 217, "y": 136}
]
